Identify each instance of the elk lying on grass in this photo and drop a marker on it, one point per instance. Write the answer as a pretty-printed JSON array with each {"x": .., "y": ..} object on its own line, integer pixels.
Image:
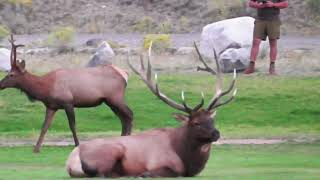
[
  {"x": 170, "y": 152},
  {"x": 67, "y": 89}
]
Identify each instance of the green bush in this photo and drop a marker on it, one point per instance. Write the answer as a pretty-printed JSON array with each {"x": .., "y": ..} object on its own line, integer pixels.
[
  {"x": 61, "y": 36},
  {"x": 115, "y": 45},
  {"x": 166, "y": 27},
  {"x": 146, "y": 25},
  {"x": 22, "y": 2},
  {"x": 160, "y": 42},
  {"x": 314, "y": 7},
  {"x": 184, "y": 24},
  {"x": 4, "y": 32}
]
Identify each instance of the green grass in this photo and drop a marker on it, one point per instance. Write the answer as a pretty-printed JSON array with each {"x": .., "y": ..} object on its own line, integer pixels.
[
  {"x": 286, "y": 161},
  {"x": 265, "y": 107}
]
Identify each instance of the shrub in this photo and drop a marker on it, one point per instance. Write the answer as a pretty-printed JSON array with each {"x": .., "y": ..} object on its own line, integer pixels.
[
  {"x": 160, "y": 42},
  {"x": 22, "y": 2},
  {"x": 184, "y": 24},
  {"x": 166, "y": 27},
  {"x": 4, "y": 32},
  {"x": 228, "y": 8},
  {"x": 61, "y": 36},
  {"x": 115, "y": 45},
  {"x": 146, "y": 25},
  {"x": 314, "y": 7}
]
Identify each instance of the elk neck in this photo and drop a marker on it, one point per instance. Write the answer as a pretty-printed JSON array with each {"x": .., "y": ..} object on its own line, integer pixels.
[
  {"x": 35, "y": 87},
  {"x": 193, "y": 153}
]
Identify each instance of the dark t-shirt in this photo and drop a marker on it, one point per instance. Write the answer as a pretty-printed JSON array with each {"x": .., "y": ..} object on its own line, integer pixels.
[{"x": 268, "y": 13}]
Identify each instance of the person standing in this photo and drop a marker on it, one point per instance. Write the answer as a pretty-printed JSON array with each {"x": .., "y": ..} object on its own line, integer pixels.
[{"x": 267, "y": 24}]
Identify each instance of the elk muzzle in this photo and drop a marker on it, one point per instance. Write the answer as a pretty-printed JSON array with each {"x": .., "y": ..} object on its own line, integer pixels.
[
  {"x": 1, "y": 85},
  {"x": 215, "y": 135}
]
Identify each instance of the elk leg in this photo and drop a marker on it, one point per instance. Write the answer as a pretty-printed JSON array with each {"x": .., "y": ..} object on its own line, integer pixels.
[
  {"x": 161, "y": 172},
  {"x": 125, "y": 115},
  {"x": 46, "y": 124},
  {"x": 72, "y": 123}
]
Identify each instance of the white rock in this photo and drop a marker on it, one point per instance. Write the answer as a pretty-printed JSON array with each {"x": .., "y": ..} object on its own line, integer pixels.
[
  {"x": 5, "y": 64},
  {"x": 185, "y": 51},
  {"x": 103, "y": 55},
  {"x": 232, "y": 40}
]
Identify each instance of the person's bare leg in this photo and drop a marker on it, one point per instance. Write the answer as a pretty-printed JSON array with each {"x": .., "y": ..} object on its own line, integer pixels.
[
  {"x": 253, "y": 56},
  {"x": 273, "y": 56}
]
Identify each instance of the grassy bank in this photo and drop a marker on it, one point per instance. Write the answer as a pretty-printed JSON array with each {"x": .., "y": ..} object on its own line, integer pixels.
[
  {"x": 264, "y": 107},
  {"x": 286, "y": 161}
]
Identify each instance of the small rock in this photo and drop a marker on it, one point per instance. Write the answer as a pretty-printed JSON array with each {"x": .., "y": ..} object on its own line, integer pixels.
[
  {"x": 94, "y": 42},
  {"x": 185, "y": 51},
  {"x": 103, "y": 55}
]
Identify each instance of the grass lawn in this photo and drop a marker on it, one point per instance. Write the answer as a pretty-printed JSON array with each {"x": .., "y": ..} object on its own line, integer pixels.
[
  {"x": 285, "y": 161},
  {"x": 265, "y": 107}
]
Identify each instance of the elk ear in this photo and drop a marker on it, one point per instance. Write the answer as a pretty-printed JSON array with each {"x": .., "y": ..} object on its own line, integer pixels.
[
  {"x": 21, "y": 65},
  {"x": 213, "y": 114},
  {"x": 181, "y": 117}
]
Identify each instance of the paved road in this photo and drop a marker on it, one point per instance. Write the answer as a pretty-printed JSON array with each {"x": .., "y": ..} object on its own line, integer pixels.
[{"x": 178, "y": 40}]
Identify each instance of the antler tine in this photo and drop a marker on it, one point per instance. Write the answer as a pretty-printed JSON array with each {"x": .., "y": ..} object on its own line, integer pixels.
[
  {"x": 214, "y": 103},
  {"x": 149, "y": 73},
  {"x": 185, "y": 104},
  {"x": 227, "y": 101},
  {"x": 141, "y": 62},
  {"x": 154, "y": 87},
  {"x": 201, "y": 103},
  {"x": 231, "y": 87},
  {"x": 13, "y": 55},
  {"x": 206, "y": 66}
]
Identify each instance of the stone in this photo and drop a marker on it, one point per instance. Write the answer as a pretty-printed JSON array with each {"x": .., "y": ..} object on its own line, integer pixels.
[
  {"x": 232, "y": 41},
  {"x": 185, "y": 51},
  {"x": 94, "y": 42},
  {"x": 102, "y": 56},
  {"x": 5, "y": 64}
]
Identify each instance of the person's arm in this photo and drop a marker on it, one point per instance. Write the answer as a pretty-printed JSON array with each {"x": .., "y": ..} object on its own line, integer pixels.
[
  {"x": 255, "y": 4},
  {"x": 279, "y": 5}
]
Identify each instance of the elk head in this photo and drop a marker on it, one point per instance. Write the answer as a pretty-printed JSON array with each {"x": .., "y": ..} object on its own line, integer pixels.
[
  {"x": 199, "y": 121},
  {"x": 17, "y": 71}
]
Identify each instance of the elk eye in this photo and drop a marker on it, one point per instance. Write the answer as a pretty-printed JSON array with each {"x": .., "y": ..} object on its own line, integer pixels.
[{"x": 196, "y": 123}]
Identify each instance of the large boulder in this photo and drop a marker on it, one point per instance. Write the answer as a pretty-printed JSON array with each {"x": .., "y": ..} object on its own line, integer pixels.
[
  {"x": 5, "y": 64},
  {"x": 232, "y": 41},
  {"x": 103, "y": 55}
]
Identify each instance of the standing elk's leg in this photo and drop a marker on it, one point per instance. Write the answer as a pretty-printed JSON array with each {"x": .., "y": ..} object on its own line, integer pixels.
[
  {"x": 46, "y": 124},
  {"x": 72, "y": 123},
  {"x": 125, "y": 115}
]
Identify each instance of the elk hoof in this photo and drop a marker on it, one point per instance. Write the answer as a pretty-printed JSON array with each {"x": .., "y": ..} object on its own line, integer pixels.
[{"x": 36, "y": 150}]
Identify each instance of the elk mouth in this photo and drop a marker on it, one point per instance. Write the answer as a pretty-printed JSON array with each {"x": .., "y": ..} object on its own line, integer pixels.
[{"x": 209, "y": 139}]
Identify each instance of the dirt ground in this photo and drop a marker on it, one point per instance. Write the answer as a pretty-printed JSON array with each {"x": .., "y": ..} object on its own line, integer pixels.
[{"x": 298, "y": 55}]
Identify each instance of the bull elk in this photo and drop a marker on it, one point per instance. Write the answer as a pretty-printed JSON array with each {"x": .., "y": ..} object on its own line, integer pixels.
[
  {"x": 169, "y": 152},
  {"x": 70, "y": 88}
]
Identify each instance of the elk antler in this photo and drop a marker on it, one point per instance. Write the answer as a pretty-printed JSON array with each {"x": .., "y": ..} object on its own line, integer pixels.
[
  {"x": 215, "y": 102},
  {"x": 13, "y": 56},
  {"x": 146, "y": 76}
]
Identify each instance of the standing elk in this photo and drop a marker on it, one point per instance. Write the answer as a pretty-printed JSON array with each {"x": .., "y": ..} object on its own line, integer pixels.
[
  {"x": 169, "y": 152},
  {"x": 70, "y": 88}
]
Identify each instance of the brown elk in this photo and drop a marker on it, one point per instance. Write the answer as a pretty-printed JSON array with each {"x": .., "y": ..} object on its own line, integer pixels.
[
  {"x": 168, "y": 152},
  {"x": 70, "y": 88}
]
